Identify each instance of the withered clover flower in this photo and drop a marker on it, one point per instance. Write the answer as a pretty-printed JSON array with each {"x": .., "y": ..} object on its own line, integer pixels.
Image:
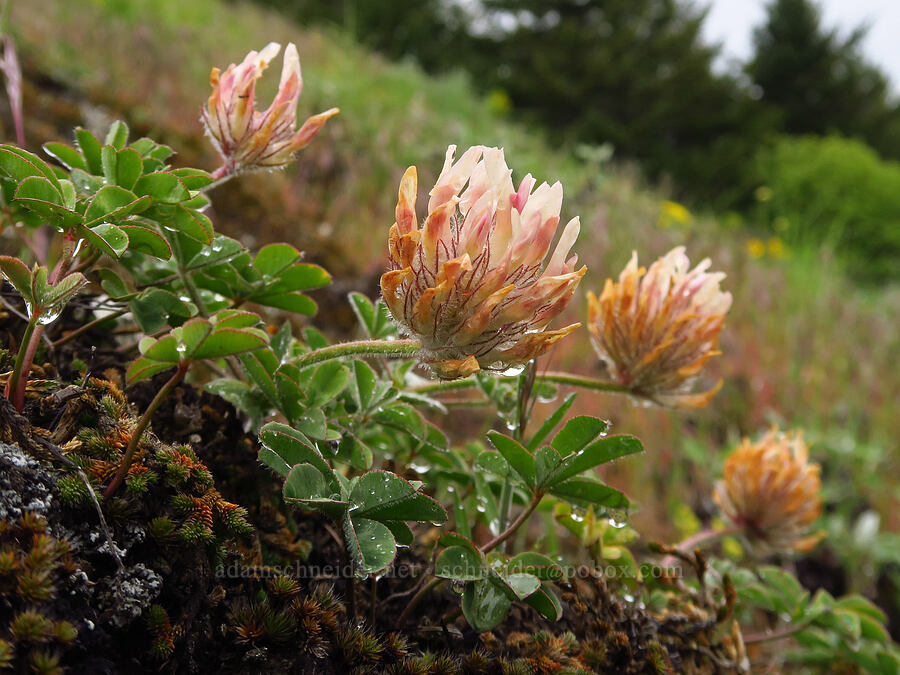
[
  {"x": 655, "y": 329},
  {"x": 471, "y": 284},
  {"x": 246, "y": 138},
  {"x": 770, "y": 491}
]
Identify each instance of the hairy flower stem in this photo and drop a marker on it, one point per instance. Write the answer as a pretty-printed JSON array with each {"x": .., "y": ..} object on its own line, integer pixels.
[
  {"x": 390, "y": 348},
  {"x": 581, "y": 381},
  {"x": 787, "y": 631},
  {"x": 695, "y": 541},
  {"x": 524, "y": 387},
  {"x": 570, "y": 379},
  {"x": 514, "y": 526},
  {"x": 34, "y": 331},
  {"x": 192, "y": 291},
  {"x": 142, "y": 425},
  {"x": 14, "y": 392},
  {"x": 221, "y": 175},
  {"x": 445, "y": 385}
]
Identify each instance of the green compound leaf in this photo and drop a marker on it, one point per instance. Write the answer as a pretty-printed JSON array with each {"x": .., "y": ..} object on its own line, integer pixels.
[
  {"x": 117, "y": 136},
  {"x": 66, "y": 155},
  {"x": 456, "y": 539},
  {"x": 589, "y": 492},
  {"x": 275, "y": 258},
  {"x": 594, "y": 454},
  {"x": 293, "y": 447},
  {"x": 522, "y": 461},
  {"x": 461, "y": 563},
  {"x": 494, "y": 462},
  {"x": 578, "y": 433},
  {"x": 143, "y": 368},
  {"x": 516, "y": 586},
  {"x": 546, "y": 461},
  {"x": 19, "y": 276},
  {"x": 112, "y": 203},
  {"x": 362, "y": 384},
  {"x": 162, "y": 187},
  {"x": 545, "y": 601},
  {"x": 129, "y": 168},
  {"x": 329, "y": 380},
  {"x": 20, "y": 164},
  {"x": 156, "y": 307},
  {"x": 484, "y": 605},
  {"x": 228, "y": 342},
  {"x": 193, "y": 179},
  {"x": 550, "y": 423},
  {"x": 382, "y": 495},
  {"x": 110, "y": 239},
  {"x": 91, "y": 150},
  {"x": 539, "y": 565},
  {"x": 39, "y": 195},
  {"x": 146, "y": 240},
  {"x": 65, "y": 289},
  {"x": 306, "y": 486},
  {"x": 371, "y": 544}
]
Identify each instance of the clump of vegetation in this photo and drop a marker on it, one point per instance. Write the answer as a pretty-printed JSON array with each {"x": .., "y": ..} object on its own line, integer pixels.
[
  {"x": 34, "y": 568},
  {"x": 347, "y": 430}
]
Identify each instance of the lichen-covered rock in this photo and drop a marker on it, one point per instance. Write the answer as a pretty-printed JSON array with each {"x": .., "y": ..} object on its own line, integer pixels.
[{"x": 25, "y": 485}]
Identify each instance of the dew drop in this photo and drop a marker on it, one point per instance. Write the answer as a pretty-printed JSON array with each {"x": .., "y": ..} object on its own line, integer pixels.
[{"x": 50, "y": 315}]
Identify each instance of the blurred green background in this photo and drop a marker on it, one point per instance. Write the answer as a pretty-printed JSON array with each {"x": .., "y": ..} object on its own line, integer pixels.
[{"x": 783, "y": 173}]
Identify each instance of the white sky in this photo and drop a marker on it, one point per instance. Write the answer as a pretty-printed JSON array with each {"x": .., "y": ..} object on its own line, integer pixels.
[{"x": 730, "y": 23}]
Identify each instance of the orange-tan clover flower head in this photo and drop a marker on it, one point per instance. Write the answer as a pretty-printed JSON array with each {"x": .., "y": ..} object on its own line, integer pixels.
[
  {"x": 249, "y": 139},
  {"x": 771, "y": 491},
  {"x": 474, "y": 283},
  {"x": 655, "y": 329}
]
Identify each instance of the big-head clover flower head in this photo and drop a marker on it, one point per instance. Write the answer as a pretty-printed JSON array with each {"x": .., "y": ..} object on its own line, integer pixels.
[
  {"x": 770, "y": 490},
  {"x": 472, "y": 284},
  {"x": 249, "y": 139},
  {"x": 655, "y": 329}
]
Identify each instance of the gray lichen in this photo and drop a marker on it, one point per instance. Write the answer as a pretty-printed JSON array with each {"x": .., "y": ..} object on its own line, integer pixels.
[
  {"x": 129, "y": 593},
  {"x": 24, "y": 484}
]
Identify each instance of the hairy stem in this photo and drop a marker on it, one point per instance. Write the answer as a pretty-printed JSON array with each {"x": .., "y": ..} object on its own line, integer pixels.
[
  {"x": 34, "y": 332},
  {"x": 192, "y": 291},
  {"x": 787, "y": 631},
  {"x": 570, "y": 379},
  {"x": 445, "y": 385},
  {"x": 389, "y": 348},
  {"x": 15, "y": 390},
  {"x": 695, "y": 541},
  {"x": 142, "y": 425},
  {"x": 581, "y": 381},
  {"x": 515, "y": 525},
  {"x": 524, "y": 387}
]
